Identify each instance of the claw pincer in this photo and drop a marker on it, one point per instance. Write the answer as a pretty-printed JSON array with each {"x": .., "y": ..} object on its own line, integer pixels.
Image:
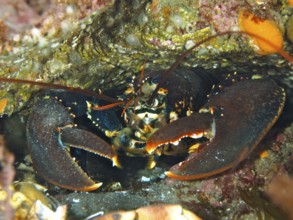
[
  {"x": 48, "y": 147},
  {"x": 234, "y": 120}
]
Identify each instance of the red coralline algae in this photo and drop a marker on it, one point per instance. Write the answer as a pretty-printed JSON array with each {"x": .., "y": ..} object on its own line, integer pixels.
[
  {"x": 6, "y": 177},
  {"x": 221, "y": 14}
]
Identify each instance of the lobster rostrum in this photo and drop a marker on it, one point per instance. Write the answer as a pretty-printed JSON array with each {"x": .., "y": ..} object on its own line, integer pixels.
[{"x": 171, "y": 106}]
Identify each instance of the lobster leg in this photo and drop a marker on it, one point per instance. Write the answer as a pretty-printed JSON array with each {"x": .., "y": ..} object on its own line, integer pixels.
[
  {"x": 50, "y": 158},
  {"x": 242, "y": 112}
]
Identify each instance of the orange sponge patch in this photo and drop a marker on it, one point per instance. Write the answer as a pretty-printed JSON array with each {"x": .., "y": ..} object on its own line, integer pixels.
[
  {"x": 265, "y": 33},
  {"x": 290, "y": 2},
  {"x": 3, "y": 103}
]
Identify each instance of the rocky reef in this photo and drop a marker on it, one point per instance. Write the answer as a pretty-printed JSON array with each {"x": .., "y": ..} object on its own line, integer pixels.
[{"x": 97, "y": 45}]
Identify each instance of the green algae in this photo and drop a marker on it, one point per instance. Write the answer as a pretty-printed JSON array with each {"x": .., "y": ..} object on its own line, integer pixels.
[{"x": 114, "y": 42}]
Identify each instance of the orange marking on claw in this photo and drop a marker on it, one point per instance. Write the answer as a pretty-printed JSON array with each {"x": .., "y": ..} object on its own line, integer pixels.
[
  {"x": 264, "y": 154},
  {"x": 152, "y": 145},
  {"x": 84, "y": 189},
  {"x": 198, "y": 176}
]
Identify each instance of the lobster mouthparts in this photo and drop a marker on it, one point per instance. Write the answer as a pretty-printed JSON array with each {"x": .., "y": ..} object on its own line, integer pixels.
[{"x": 245, "y": 111}]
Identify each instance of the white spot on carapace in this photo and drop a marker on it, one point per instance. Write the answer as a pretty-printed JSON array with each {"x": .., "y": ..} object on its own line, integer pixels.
[
  {"x": 213, "y": 128},
  {"x": 173, "y": 116}
]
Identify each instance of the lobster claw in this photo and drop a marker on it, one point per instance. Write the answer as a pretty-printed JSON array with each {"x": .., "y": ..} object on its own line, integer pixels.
[
  {"x": 85, "y": 140},
  {"x": 49, "y": 130},
  {"x": 237, "y": 119}
]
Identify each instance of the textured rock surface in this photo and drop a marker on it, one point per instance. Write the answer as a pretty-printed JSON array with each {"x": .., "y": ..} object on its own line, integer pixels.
[{"x": 97, "y": 45}]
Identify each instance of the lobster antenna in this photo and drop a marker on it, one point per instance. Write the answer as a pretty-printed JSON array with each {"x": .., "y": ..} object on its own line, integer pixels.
[
  {"x": 281, "y": 52},
  {"x": 126, "y": 102},
  {"x": 57, "y": 86}
]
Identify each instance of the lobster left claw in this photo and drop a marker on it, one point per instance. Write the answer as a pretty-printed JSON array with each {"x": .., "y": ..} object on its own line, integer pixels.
[{"x": 235, "y": 119}]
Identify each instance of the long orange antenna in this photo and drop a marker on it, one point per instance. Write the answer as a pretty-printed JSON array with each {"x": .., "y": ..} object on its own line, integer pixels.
[
  {"x": 57, "y": 86},
  {"x": 281, "y": 52}
]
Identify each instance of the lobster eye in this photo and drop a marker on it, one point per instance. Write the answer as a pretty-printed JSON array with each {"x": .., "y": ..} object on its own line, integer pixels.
[
  {"x": 129, "y": 79},
  {"x": 124, "y": 139},
  {"x": 155, "y": 80}
]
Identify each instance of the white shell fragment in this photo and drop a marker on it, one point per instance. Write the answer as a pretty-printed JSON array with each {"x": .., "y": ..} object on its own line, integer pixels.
[{"x": 41, "y": 212}]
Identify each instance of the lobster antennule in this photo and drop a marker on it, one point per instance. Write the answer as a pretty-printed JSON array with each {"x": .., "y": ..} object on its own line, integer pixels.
[{"x": 108, "y": 106}]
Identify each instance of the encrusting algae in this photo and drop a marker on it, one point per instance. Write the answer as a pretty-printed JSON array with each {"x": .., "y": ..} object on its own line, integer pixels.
[
  {"x": 98, "y": 47},
  {"x": 115, "y": 39}
]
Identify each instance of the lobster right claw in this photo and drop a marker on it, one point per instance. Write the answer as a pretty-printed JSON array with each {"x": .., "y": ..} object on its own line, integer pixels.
[
  {"x": 49, "y": 131},
  {"x": 238, "y": 117}
]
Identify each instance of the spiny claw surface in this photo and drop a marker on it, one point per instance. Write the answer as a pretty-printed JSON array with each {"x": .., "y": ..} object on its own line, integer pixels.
[
  {"x": 88, "y": 141},
  {"x": 50, "y": 159},
  {"x": 193, "y": 126},
  {"x": 248, "y": 109}
]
